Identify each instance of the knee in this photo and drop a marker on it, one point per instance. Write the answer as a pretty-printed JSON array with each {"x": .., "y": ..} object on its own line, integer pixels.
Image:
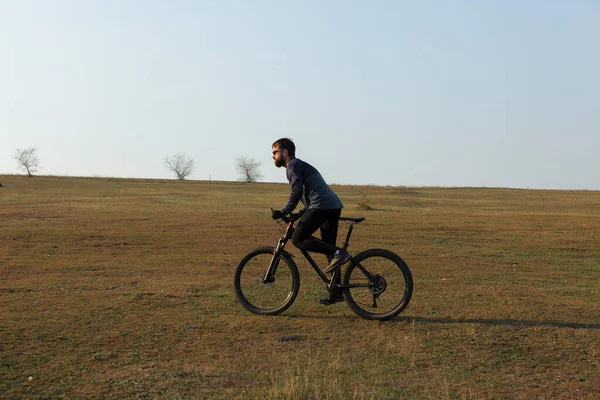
[{"x": 297, "y": 241}]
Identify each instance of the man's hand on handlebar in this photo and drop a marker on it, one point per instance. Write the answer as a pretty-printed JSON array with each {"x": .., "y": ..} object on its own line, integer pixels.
[
  {"x": 277, "y": 214},
  {"x": 295, "y": 216}
]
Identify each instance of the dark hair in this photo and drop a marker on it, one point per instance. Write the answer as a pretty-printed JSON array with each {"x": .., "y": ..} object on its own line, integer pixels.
[{"x": 287, "y": 144}]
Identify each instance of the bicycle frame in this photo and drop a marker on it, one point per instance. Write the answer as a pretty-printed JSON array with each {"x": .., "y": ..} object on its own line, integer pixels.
[{"x": 269, "y": 276}]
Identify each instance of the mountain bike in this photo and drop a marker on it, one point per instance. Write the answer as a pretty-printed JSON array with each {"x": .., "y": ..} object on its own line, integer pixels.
[{"x": 377, "y": 284}]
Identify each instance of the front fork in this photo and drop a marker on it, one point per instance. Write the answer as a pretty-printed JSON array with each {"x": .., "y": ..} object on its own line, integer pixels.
[{"x": 270, "y": 275}]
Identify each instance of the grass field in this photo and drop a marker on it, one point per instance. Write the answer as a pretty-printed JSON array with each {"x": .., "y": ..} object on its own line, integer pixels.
[{"x": 115, "y": 288}]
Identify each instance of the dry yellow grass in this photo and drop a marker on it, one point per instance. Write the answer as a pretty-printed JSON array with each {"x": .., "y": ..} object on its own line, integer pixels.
[{"x": 114, "y": 288}]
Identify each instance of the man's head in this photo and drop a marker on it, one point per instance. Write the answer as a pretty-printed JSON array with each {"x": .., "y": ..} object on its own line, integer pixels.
[{"x": 284, "y": 150}]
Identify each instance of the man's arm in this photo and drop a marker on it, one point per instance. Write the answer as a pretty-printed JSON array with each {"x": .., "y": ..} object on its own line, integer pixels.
[{"x": 297, "y": 185}]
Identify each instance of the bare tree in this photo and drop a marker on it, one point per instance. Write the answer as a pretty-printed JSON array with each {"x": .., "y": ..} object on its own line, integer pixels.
[
  {"x": 247, "y": 168},
  {"x": 28, "y": 160},
  {"x": 180, "y": 164}
]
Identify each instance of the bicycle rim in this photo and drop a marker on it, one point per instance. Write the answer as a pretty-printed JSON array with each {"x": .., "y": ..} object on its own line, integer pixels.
[
  {"x": 266, "y": 298},
  {"x": 388, "y": 291}
]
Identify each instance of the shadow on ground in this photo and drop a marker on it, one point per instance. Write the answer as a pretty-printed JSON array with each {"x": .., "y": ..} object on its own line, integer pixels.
[
  {"x": 498, "y": 322},
  {"x": 481, "y": 321}
]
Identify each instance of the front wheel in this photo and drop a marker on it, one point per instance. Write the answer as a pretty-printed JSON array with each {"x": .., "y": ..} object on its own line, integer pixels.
[
  {"x": 258, "y": 296},
  {"x": 377, "y": 284}
]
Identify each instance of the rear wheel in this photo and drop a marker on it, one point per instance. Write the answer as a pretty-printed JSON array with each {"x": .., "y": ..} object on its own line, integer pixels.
[
  {"x": 377, "y": 284},
  {"x": 258, "y": 296}
]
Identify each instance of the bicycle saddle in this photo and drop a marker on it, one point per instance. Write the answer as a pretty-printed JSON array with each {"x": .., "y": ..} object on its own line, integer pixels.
[{"x": 355, "y": 220}]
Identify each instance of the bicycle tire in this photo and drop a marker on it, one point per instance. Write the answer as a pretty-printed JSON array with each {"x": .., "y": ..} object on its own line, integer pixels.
[
  {"x": 266, "y": 298},
  {"x": 389, "y": 293}
]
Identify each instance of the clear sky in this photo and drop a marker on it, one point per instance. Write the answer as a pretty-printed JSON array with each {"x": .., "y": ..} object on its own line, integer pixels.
[{"x": 418, "y": 93}]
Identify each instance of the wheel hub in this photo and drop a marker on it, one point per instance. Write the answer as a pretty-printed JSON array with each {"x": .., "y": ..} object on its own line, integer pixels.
[
  {"x": 379, "y": 285},
  {"x": 266, "y": 284}
]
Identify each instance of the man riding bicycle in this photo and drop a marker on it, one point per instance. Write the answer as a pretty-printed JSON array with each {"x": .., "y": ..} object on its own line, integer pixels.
[{"x": 322, "y": 209}]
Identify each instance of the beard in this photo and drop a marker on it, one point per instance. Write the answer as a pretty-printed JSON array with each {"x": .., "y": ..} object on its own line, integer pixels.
[{"x": 278, "y": 163}]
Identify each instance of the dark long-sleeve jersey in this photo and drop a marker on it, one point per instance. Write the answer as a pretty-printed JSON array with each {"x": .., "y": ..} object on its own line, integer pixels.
[{"x": 308, "y": 187}]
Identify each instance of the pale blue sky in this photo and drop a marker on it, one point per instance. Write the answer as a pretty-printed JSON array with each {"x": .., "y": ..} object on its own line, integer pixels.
[{"x": 417, "y": 93}]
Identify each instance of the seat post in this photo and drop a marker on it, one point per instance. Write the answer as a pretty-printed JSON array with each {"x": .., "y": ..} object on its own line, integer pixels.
[{"x": 346, "y": 242}]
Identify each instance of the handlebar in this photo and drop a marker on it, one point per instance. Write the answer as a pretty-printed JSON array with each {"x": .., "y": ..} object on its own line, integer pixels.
[
  {"x": 289, "y": 218},
  {"x": 294, "y": 217}
]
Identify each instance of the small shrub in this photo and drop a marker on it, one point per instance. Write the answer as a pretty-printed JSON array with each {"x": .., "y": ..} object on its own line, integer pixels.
[{"x": 364, "y": 203}]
